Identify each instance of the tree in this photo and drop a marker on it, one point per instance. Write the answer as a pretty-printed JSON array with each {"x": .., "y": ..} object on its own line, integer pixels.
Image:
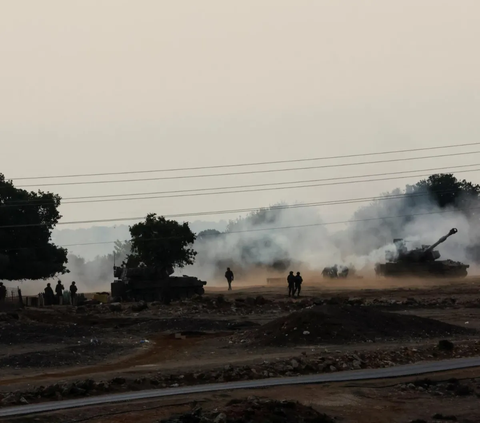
[
  {"x": 161, "y": 242},
  {"x": 447, "y": 191},
  {"x": 26, "y": 223}
]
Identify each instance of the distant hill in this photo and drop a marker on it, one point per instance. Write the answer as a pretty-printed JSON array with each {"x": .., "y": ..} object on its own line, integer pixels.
[{"x": 101, "y": 237}]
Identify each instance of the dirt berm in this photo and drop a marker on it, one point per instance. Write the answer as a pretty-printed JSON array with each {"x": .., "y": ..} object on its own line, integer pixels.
[{"x": 344, "y": 324}]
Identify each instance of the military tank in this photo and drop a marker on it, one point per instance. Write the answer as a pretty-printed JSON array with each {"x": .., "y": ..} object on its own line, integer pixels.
[
  {"x": 420, "y": 262},
  {"x": 153, "y": 284}
]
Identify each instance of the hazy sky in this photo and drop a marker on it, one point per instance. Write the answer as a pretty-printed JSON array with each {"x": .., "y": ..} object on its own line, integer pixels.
[{"x": 110, "y": 85}]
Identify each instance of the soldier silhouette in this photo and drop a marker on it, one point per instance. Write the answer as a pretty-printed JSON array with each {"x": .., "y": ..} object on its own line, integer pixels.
[
  {"x": 291, "y": 284},
  {"x": 298, "y": 284},
  {"x": 229, "y": 276}
]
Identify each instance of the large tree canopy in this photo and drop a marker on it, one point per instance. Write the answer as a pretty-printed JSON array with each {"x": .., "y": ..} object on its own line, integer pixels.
[
  {"x": 447, "y": 191},
  {"x": 161, "y": 242},
  {"x": 26, "y": 223}
]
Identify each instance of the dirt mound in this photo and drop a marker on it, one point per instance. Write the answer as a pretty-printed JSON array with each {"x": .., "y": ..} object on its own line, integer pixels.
[
  {"x": 339, "y": 324},
  {"x": 254, "y": 410}
]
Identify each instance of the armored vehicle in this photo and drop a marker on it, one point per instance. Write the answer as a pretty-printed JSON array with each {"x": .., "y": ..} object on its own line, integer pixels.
[
  {"x": 337, "y": 272},
  {"x": 153, "y": 284},
  {"x": 420, "y": 262}
]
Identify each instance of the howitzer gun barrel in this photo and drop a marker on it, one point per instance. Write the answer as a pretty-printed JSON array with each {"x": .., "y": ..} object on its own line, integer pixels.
[{"x": 442, "y": 239}]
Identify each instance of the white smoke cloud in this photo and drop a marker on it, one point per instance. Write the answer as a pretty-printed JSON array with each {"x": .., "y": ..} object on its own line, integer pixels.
[{"x": 362, "y": 244}]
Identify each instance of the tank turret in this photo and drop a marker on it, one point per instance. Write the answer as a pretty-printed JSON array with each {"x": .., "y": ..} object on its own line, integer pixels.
[
  {"x": 423, "y": 254},
  {"x": 421, "y": 262}
]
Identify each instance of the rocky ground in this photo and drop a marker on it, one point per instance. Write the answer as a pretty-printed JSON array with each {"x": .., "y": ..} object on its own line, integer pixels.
[
  {"x": 64, "y": 352},
  {"x": 254, "y": 410}
]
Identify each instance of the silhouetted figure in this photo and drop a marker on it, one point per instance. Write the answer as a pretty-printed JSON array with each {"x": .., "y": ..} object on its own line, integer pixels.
[
  {"x": 291, "y": 284},
  {"x": 298, "y": 284},
  {"x": 335, "y": 271},
  {"x": 73, "y": 293},
  {"x": 229, "y": 276},
  {"x": 59, "y": 291},
  {"x": 3, "y": 292},
  {"x": 49, "y": 297}
]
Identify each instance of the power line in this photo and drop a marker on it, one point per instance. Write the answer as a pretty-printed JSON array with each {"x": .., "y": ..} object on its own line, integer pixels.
[
  {"x": 314, "y": 204},
  {"x": 274, "y": 186},
  {"x": 325, "y": 203},
  {"x": 278, "y": 228},
  {"x": 248, "y": 164},
  {"x": 253, "y": 172},
  {"x": 195, "y": 192}
]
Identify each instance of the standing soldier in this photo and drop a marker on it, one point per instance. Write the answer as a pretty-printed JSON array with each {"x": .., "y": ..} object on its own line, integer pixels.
[
  {"x": 3, "y": 292},
  {"x": 291, "y": 284},
  {"x": 59, "y": 291},
  {"x": 229, "y": 276},
  {"x": 298, "y": 284},
  {"x": 73, "y": 293},
  {"x": 48, "y": 295}
]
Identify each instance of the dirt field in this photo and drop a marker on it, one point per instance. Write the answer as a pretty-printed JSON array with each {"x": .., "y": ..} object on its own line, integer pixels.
[{"x": 252, "y": 332}]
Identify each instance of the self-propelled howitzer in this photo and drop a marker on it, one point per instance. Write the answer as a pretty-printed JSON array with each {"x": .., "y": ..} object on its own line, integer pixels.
[{"x": 420, "y": 262}]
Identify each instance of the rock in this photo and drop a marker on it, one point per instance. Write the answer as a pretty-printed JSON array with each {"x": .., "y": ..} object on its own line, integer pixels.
[
  {"x": 23, "y": 400},
  {"x": 445, "y": 345},
  {"x": 66, "y": 389},
  {"x": 118, "y": 381},
  {"x": 102, "y": 386},
  {"x": 294, "y": 363},
  {"x": 50, "y": 390},
  {"x": 462, "y": 390},
  {"x": 260, "y": 300},
  {"x": 140, "y": 306},
  {"x": 115, "y": 307},
  {"x": 333, "y": 369},
  {"x": 221, "y": 418},
  {"x": 357, "y": 365},
  {"x": 9, "y": 399},
  {"x": 78, "y": 391}
]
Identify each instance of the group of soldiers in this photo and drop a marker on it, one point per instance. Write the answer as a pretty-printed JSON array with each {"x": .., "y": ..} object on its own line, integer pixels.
[
  {"x": 294, "y": 284},
  {"x": 51, "y": 298}
]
